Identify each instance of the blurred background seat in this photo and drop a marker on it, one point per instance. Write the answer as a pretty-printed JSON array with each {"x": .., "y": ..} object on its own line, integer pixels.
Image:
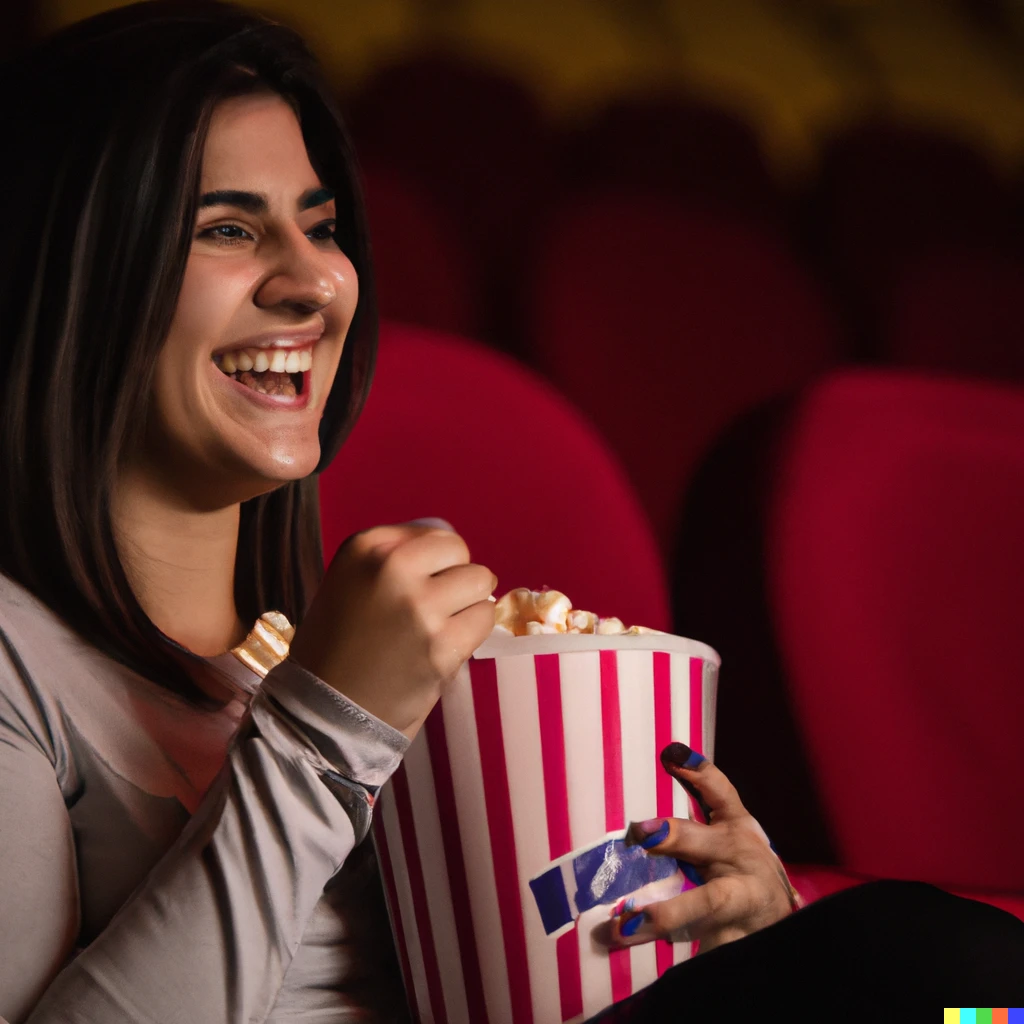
[
  {"x": 455, "y": 430},
  {"x": 890, "y": 193},
  {"x": 422, "y": 267},
  {"x": 896, "y": 577},
  {"x": 683, "y": 147},
  {"x": 475, "y": 141},
  {"x": 962, "y": 311},
  {"x": 663, "y": 324},
  {"x": 719, "y": 594}
]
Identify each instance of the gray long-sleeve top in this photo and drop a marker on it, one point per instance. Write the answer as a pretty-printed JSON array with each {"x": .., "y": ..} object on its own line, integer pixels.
[{"x": 160, "y": 864}]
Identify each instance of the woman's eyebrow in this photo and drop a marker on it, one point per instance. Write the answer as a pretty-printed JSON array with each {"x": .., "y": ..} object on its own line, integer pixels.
[
  {"x": 315, "y": 197},
  {"x": 251, "y": 202},
  {"x": 256, "y": 202}
]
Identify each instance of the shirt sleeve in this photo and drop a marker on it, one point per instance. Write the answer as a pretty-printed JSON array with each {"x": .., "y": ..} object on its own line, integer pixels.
[{"x": 211, "y": 932}]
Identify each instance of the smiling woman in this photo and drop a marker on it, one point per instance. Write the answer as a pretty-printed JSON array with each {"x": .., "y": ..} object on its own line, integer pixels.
[
  {"x": 112, "y": 211},
  {"x": 194, "y": 717}
]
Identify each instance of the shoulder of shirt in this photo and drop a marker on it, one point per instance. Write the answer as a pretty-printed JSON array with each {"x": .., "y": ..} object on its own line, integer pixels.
[{"x": 31, "y": 635}]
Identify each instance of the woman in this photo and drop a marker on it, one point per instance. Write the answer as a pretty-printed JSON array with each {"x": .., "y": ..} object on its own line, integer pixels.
[{"x": 187, "y": 318}]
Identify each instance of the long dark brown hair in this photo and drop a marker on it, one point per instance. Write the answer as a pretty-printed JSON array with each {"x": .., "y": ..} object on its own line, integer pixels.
[{"x": 104, "y": 125}]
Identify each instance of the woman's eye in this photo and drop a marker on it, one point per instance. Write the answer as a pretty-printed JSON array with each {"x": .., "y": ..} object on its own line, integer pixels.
[
  {"x": 323, "y": 232},
  {"x": 226, "y": 234}
]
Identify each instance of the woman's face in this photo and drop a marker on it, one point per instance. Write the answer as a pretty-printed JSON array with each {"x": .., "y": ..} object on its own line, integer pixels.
[{"x": 266, "y": 302}]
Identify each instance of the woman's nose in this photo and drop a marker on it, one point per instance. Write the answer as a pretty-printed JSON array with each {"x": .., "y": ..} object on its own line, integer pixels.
[{"x": 302, "y": 280}]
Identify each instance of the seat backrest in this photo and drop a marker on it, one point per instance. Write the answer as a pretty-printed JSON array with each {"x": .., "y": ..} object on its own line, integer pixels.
[
  {"x": 663, "y": 324},
  {"x": 472, "y": 136},
  {"x": 961, "y": 311},
  {"x": 890, "y": 192},
  {"x": 453, "y": 429},
  {"x": 896, "y": 575},
  {"x": 682, "y": 146},
  {"x": 420, "y": 256}
]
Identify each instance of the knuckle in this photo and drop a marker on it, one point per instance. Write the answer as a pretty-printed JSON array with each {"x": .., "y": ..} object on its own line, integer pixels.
[
  {"x": 721, "y": 898},
  {"x": 663, "y": 918},
  {"x": 367, "y": 547}
]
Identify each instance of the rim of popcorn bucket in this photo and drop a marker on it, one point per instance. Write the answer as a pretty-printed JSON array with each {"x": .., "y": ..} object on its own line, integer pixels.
[{"x": 499, "y": 645}]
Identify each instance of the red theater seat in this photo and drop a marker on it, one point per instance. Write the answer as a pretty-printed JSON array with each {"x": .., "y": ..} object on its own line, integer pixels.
[
  {"x": 477, "y": 142},
  {"x": 420, "y": 260},
  {"x": 896, "y": 573},
  {"x": 687, "y": 148},
  {"x": 455, "y": 430},
  {"x": 890, "y": 193},
  {"x": 663, "y": 324},
  {"x": 961, "y": 311}
]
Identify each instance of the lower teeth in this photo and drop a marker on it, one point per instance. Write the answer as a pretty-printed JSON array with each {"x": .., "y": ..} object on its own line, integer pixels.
[{"x": 267, "y": 382}]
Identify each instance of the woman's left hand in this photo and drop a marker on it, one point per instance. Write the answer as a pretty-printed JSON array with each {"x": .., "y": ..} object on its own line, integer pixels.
[{"x": 746, "y": 887}]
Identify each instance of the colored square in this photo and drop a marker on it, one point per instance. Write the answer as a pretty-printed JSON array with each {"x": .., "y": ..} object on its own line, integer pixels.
[
  {"x": 983, "y": 1015},
  {"x": 967, "y": 1015},
  {"x": 1015, "y": 1015},
  {"x": 951, "y": 1015},
  {"x": 999, "y": 1015}
]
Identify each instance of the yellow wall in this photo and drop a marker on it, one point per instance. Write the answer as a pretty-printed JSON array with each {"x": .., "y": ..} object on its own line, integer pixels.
[{"x": 795, "y": 70}]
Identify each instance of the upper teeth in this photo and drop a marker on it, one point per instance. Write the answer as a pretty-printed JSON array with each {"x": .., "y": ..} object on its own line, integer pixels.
[{"x": 261, "y": 359}]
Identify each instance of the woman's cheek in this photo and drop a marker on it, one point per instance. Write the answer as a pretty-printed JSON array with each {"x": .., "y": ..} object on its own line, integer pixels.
[{"x": 212, "y": 292}]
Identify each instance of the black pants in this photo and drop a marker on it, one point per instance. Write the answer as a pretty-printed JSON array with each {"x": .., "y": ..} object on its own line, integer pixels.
[{"x": 876, "y": 947}]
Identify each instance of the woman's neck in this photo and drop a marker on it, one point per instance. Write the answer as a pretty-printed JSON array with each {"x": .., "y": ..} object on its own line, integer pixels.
[{"x": 180, "y": 562}]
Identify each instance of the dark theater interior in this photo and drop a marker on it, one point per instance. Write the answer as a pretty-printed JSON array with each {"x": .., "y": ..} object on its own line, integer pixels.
[{"x": 712, "y": 317}]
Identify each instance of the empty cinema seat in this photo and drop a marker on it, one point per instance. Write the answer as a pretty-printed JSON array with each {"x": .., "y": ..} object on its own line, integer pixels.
[
  {"x": 663, "y": 323},
  {"x": 962, "y": 311},
  {"x": 476, "y": 141},
  {"x": 896, "y": 579},
  {"x": 452, "y": 429},
  {"x": 420, "y": 258},
  {"x": 890, "y": 193},
  {"x": 684, "y": 147}
]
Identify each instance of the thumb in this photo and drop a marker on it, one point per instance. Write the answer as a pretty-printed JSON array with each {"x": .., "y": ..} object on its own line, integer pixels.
[{"x": 437, "y": 524}]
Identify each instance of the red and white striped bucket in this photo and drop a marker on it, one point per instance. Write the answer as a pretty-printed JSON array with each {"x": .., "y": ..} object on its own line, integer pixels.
[{"x": 541, "y": 747}]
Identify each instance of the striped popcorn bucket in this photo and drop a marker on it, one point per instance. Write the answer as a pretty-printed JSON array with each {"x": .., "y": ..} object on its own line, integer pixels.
[{"x": 500, "y": 838}]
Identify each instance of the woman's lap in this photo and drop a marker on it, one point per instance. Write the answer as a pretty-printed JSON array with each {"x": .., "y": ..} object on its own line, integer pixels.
[{"x": 869, "y": 946}]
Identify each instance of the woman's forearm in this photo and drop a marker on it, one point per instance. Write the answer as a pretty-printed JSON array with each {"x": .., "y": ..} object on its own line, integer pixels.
[{"x": 211, "y": 932}]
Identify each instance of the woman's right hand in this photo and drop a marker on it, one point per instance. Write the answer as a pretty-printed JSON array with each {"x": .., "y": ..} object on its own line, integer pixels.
[{"x": 399, "y": 611}]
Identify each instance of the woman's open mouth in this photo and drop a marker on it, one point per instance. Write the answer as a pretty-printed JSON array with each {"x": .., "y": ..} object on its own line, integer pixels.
[
  {"x": 269, "y": 382},
  {"x": 274, "y": 372}
]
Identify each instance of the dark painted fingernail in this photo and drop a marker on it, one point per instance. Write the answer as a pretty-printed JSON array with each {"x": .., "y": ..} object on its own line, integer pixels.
[
  {"x": 434, "y": 521},
  {"x": 625, "y": 906},
  {"x": 632, "y": 926},
  {"x": 690, "y": 872},
  {"x": 652, "y": 840},
  {"x": 680, "y": 755}
]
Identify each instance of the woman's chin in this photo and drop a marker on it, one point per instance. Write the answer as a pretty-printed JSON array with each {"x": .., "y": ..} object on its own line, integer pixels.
[{"x": 279, "y": 465}]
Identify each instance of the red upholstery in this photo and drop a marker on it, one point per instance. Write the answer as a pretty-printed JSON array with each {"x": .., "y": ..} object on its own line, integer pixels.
[
  {"x": 474, "y": 138},
  {"x": 663, "y": 324},
  {"x": 455, "y": 430},
  {"x": 688, "y": 148},
  {"x": 961, "y": 311},
  {"x": 477, "y": 142},
  {"x": 419, "y": 257},
  {"x": 891, "y": 192},
  {"x": 814, "y": 882},
  {"x": 896, "y": 571}
]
